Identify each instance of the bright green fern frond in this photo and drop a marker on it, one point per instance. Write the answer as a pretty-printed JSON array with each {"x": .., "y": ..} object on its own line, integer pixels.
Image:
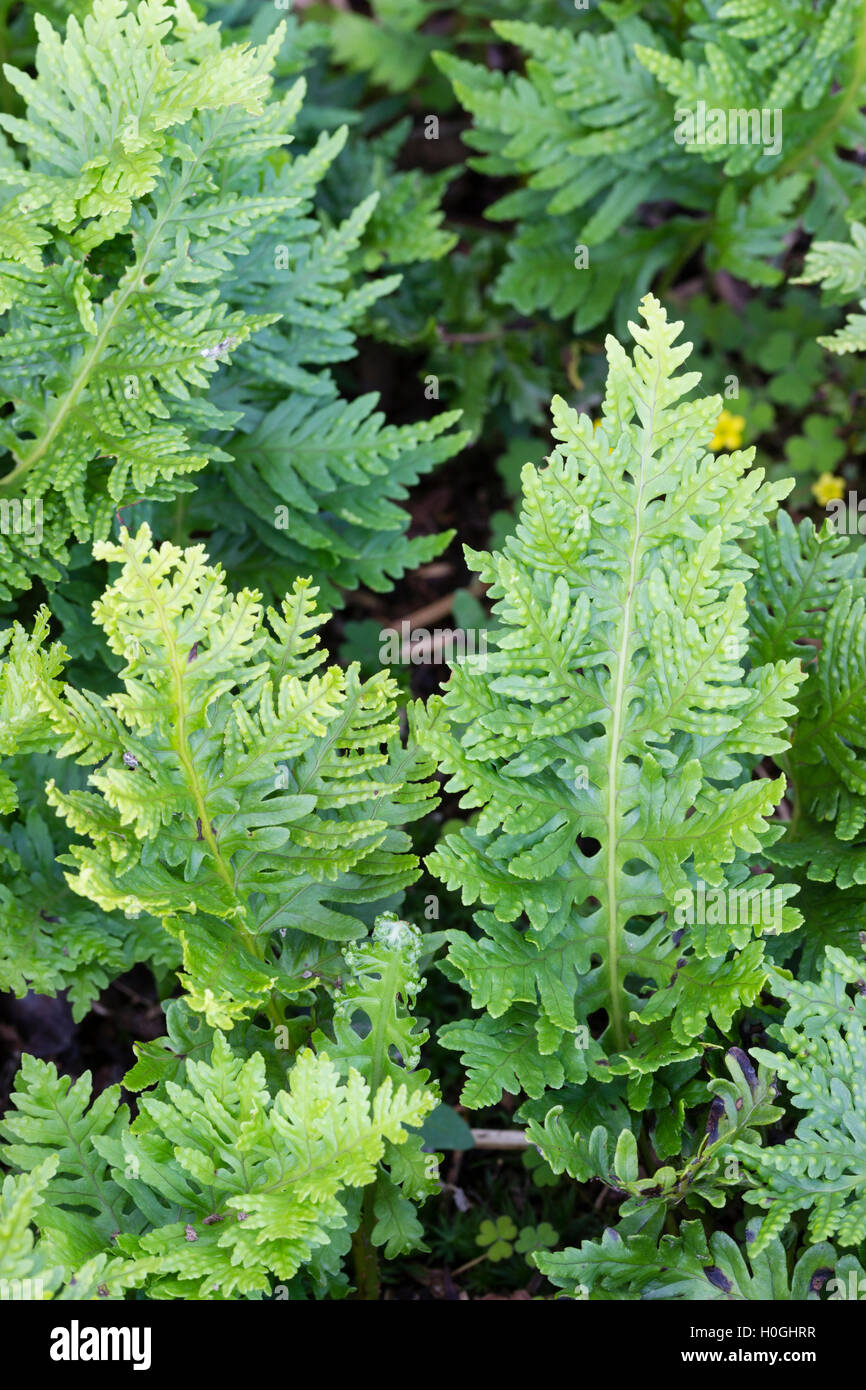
[
  {"x": 26, "y": 665},
  {"x": 108, "y": 344},
  {"x": 20, "y": 1198},
  {"x": 376, "y": 1033},
  {"x": 155, "y": 224},
  {"x": 219, "y": 1186},
  {"x": 241, "y": 795},
  {"x": 53, "y": 1117},
  {"x": 606, "y": 742},
  {"x": 50, "y": 939}
]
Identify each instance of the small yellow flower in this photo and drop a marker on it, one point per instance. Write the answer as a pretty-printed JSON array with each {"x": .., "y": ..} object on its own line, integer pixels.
[
  {"x": 595, "y": 425},
  {"x": 828, "y": 488},
  {"x": 729, "y": 431}
]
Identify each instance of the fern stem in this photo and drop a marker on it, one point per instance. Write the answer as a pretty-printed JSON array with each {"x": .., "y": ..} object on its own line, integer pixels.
[
  {"x": 691, "y": 243},
  {"x": 615, "y": 990},
  {"x": 785, "y": 763},
  {"x": 70, "y": 400},
  {"x": 8, "y": 94},
  {"x": 651, "y": 1164},
  {"x": 363, "y": 1250},
  {"x": 181, "y": 739},
  {"x": 178, "y": 530},
  {"x": 645, "y": 1150},
  {"x": 187, "y": 762},
  {"x": 470, "y": 1264}
]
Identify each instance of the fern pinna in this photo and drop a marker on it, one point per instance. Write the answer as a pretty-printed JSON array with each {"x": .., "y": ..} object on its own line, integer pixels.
[{"x": 608, "y": 745}]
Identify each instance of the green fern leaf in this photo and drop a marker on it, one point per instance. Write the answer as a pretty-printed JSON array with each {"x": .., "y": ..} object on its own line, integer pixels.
[
  {"x": 604, "y": 743},
  {"x": 242, "y": 797},
  {"x": 821, "y": 1169}
]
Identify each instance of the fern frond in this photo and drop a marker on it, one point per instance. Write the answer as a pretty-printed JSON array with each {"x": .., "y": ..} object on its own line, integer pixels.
[
  {"x": 822, "y": 1169},
  {"x": 605, "y": 742},
  {"x": 26, "y": 664},
  {"x": 154, "y": 163},
  {"x": 218, "y": 1187},
  {"x": 107, "y": 347},
  {"x": 841, "y": 267},
  {"x": 615, "y": 117},
  {"x": 376, "y": 1033},
  {"x": 800, "y": 572},
  {"x": 241, "y": 795},
  {"x": 634, "y": 1265}
]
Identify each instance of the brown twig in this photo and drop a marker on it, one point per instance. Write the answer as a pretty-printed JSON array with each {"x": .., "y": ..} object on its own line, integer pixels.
[
  {"x": 439, "y": 608},
  {"x": 500, "y": 1139}
]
